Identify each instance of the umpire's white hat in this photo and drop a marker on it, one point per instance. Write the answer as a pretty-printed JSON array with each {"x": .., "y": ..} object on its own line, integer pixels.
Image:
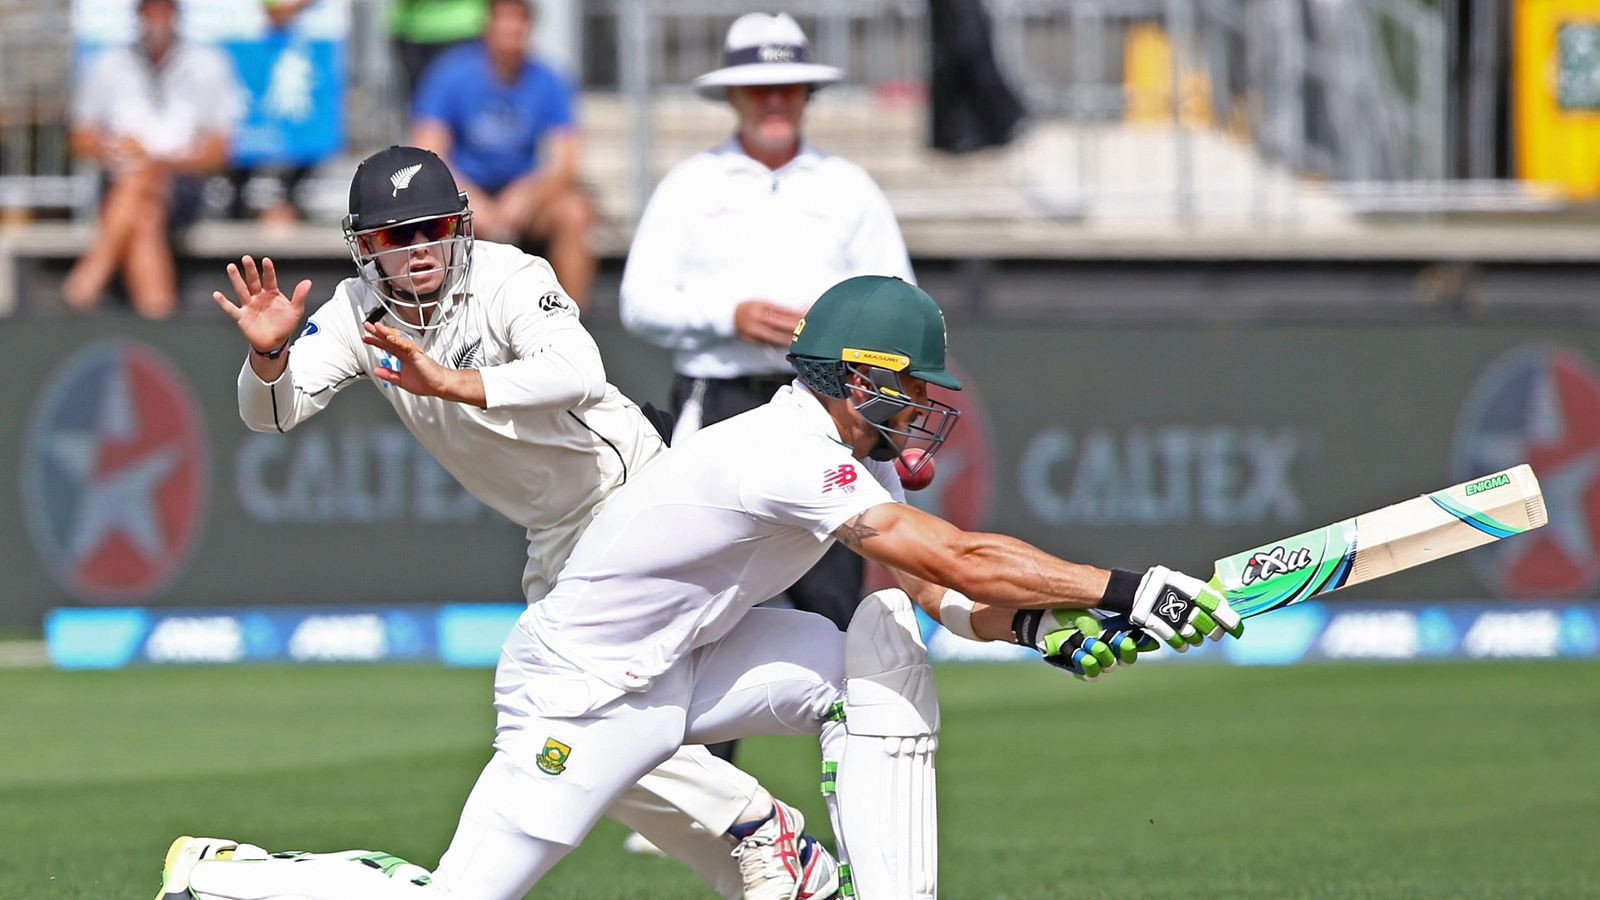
[{"x": 765, "y": 49}]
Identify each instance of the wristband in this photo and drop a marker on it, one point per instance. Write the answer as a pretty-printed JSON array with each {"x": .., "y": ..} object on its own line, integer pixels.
[
  {"x": 272, "y": 354},
  {"x": 955, "y": 614},
  {"x": 1025, "y": 625},
  {"x": 1121, "y": 589}
]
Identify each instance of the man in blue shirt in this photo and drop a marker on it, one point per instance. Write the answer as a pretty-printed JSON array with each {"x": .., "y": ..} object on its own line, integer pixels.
[{"x": 504, "y": 123}]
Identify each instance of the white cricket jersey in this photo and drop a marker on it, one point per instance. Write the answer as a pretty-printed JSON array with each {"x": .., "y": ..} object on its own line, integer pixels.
[
  {"x": 724, "y": 520},
  {"x": 722, "y": 228},
  {"x": 194, "y": 93},
  {"x": 556, "y": 438}
]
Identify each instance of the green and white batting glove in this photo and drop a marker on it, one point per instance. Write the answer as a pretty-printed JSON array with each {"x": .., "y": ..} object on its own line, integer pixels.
[
  {"x": 1177, "y": 608},
  {"x": 1071, "y": 639}
]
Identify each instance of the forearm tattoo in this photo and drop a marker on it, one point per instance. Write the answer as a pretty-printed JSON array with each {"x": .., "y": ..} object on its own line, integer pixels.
[{"x": 853, "y": 532}]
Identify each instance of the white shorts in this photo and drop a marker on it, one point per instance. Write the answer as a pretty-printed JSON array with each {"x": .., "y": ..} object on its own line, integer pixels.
[{"x": 575, "y": 743}]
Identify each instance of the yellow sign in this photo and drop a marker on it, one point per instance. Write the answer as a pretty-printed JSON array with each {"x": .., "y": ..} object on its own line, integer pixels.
[{"x": 1556, "y": 94}]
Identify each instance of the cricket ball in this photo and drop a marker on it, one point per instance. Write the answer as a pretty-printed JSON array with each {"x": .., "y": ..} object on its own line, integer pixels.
[{"x": 923, "y": 476}]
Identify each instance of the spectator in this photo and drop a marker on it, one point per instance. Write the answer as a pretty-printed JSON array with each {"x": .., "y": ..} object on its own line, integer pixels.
[
  {"x": 279, "y": 181},
  {"x": 738, "y": 240},
  {"x": 422, "y": 29},
  {"x": 504, "y": 123},
  {"x": 156, "y": 117}
]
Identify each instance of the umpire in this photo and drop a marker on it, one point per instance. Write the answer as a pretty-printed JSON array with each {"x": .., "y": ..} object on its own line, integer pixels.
[{"x": 739, "y": 239}]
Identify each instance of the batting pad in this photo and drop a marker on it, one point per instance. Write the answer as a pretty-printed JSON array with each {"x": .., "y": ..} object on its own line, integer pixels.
[{"x": 886, "y": 794}]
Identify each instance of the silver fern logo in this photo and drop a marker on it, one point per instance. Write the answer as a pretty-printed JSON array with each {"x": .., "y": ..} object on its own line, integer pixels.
[{"x": 402, "y": 179}]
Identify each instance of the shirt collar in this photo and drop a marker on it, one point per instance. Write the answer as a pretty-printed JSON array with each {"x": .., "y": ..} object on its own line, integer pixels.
[
  {"x": 732, "y": 151},
  {"x": 810, "y": 413}
]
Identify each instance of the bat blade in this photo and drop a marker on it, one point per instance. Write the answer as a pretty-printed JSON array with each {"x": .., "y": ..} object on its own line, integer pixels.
[{"x": 1374, "y": 544}]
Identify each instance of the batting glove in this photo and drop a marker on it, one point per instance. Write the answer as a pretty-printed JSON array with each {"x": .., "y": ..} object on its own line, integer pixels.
[
  {"x": 1070, "y": 639},
  {"x": 1177, "y": 608}
]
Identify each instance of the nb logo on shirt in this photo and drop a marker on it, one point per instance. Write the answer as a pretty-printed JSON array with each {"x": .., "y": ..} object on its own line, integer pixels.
[{"x": 844, "y": 478}]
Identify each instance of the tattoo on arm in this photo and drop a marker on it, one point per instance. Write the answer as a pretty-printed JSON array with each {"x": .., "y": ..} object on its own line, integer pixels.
[{"x": 853, "y": 532}]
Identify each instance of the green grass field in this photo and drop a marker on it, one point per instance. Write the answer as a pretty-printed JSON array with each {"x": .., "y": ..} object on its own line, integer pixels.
[{"x": 1439, "y": 780}]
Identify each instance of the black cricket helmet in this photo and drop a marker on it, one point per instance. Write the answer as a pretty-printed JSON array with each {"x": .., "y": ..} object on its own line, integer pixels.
[{"x": 396, "y": 196}]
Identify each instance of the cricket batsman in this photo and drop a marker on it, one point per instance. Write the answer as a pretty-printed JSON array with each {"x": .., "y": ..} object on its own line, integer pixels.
[
  {"x": 481, "y": 354},
  {"x": 646, "y": 642}
]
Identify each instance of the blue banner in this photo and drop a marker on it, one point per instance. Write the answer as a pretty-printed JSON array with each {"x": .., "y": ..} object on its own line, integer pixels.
[
  {"x": 294, "y": 112},
  {"x": 471, "y": 635}
]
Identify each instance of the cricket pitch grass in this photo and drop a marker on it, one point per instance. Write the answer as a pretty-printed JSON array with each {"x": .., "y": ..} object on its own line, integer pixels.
[{"x": 1337, "y": 781}]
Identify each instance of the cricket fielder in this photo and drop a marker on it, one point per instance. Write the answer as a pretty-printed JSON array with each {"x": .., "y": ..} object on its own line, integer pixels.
[
  {"x": 645, "y": 643},
  {"x": 482, "y": 356}
]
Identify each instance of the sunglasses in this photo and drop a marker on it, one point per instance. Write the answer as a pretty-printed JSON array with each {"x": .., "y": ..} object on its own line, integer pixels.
[{"x": 396, "y": 236}]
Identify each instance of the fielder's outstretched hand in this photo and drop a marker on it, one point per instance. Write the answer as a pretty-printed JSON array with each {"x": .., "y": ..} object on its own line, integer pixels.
[
  {"x": 1071, "y": 639},
  {"x": 1180, "y": 609},
  {"x": 265, "y": 315},
  {"x": 417, "y": 372}
]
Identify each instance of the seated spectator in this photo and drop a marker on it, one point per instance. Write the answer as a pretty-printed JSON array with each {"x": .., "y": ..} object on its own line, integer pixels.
[
  {"x": 156, "y": 117},
  {"x": 486, "y": 108},
  {"x": 422, "y": 29}
]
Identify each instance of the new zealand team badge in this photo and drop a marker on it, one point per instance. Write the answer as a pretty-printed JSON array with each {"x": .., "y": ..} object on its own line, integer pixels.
[{"x": 114, "y": 472}]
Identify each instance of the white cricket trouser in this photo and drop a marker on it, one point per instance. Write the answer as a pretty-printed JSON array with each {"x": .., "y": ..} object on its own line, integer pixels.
[{"x": 778, "y": 671}]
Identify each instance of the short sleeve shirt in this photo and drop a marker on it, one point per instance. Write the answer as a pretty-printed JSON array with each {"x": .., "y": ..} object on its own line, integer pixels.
[
  {"x": 728, "y": 518},
  {"x": 495, "y": 127},
  {"x": 194, "y": 93}
]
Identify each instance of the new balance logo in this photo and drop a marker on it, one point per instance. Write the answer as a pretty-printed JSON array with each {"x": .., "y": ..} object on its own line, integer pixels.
[
  {"x": 843, "y": 478},
  {"x": 402, "y": 179}
]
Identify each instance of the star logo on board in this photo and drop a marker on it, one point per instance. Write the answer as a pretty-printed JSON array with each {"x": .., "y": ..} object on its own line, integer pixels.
[
  {"x": 1539, "y": 404},
  {"x": 114, "y": 472}
]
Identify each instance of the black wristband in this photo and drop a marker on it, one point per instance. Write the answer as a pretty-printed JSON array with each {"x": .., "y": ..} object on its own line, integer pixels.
[
  {"x": 1025, "y": 626},
  {"x": 272, "y": 354},
  {"x": 1121, "y": 590}
]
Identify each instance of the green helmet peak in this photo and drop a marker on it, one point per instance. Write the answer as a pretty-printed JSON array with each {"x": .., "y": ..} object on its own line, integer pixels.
[{"x": 872, "y": 320}]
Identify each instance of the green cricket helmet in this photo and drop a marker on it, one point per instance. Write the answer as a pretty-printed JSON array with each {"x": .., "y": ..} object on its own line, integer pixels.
[{"x": 879, "y": 328}]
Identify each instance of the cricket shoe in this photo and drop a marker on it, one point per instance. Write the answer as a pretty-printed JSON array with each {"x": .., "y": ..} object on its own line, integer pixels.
[
  {"x": 769, "y": 859},
  {"x": 186, "y": 851},
  {"x": 819, "y": 871}
]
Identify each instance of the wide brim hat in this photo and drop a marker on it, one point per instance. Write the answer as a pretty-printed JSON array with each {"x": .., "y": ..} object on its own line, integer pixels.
[{"x": 765, "y": 49}]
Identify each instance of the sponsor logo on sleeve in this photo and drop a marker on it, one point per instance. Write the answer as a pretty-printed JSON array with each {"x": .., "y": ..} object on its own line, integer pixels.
[{"x": 841, "y": 478}]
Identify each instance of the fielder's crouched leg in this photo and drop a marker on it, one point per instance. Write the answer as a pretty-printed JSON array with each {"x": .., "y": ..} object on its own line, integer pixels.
[{"x": 884, "y": 782}]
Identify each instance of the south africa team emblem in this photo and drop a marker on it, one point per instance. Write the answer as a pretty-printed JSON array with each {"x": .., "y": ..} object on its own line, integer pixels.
[{"x": 553, "y": 758}]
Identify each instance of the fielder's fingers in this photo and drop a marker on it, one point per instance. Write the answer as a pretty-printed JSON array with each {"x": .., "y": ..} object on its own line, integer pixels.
[
  {"x": 269, "y": 274},
  {"x": 252, "y": 276},
  {"x": 237, "y": 280},
  {"x": 228, "y": 306}
]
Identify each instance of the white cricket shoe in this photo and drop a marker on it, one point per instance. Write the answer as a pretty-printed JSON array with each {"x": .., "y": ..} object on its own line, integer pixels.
[
  {"x": 819, "y": 871},
  {"x": 181, "y": 859},
  {"x": 769, "y": 859}
]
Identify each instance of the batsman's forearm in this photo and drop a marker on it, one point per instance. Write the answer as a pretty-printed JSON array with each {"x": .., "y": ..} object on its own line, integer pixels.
[{"x": 1003, "y": 571}]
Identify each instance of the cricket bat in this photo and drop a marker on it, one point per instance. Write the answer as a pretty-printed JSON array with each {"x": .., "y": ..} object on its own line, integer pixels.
[{"x": 1374, "y": 544}]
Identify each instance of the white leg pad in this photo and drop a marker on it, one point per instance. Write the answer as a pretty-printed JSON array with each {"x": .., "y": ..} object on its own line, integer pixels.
[
  {"x": 886, "y": 794},
  {"x": 314, "y": 876}
]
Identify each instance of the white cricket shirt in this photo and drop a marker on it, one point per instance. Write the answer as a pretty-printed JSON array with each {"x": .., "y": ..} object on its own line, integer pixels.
[
  {"x": 556, "y": 438},
  {"x": 726, "y": 519},
  {"x": 194, "y": 93},
  {"x": 722, "y": 228}
]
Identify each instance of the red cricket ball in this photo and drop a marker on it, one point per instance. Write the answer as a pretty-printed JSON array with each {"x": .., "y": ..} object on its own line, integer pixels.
[{"x": 923, "y": 476}]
